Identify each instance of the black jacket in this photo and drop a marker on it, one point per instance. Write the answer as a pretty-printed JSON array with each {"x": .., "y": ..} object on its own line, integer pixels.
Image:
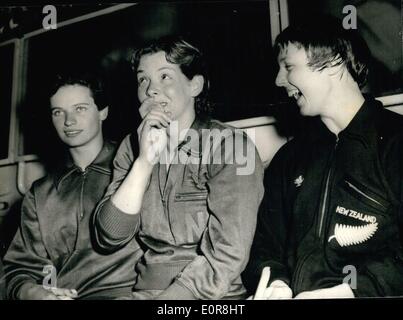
[
  {"x": 332, "y": 208},
  {"x": 55, "y": 236},
  {"x": 2, "y": 282}
]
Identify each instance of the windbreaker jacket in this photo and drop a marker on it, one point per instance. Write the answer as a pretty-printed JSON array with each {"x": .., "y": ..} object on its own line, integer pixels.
[
  {"x": 54, "y": 239},
  {"x": 332, "y": 208},
  {"x": 2, "y": 282},
  {"x": 197, "y": 220}
]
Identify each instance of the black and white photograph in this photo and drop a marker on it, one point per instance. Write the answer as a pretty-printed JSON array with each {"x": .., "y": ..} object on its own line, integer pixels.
[{"x": 219, "y": 151}]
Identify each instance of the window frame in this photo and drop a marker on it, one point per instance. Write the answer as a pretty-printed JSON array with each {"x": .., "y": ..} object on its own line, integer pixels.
[
  {"x": 279, "y": 20},
  {"x": 12, "y": 138}
]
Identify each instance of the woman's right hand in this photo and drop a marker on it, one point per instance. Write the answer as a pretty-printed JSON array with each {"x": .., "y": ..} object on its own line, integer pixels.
[{"x": 152, "y": 131}]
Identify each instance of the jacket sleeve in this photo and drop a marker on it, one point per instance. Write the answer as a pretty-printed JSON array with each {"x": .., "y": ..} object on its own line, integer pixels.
[
  {"x": 383, "y": 276},
  {"x": 269, "y": 244},
  {"x": 2, "y": 282},
  {"x": 233, "y": 200},
  {"x": 26, "y": 257},
  {"x": 113, "y": 228}
]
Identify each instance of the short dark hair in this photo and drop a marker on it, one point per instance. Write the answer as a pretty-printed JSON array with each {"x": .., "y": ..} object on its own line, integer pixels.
[
  {"x": 327, "y": 43},
  {"x": 190, "y": 60},
  {"x": 93, "y": 82}
]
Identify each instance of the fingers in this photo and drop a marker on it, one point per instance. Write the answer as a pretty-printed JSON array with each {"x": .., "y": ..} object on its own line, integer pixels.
[
  {"x": 50, "y": 296},
  {"x": 146, "y": 133},
  {"x": 158, "y": 139},
  {"x": 156, "y": 122},
  {"x": 39, "y": 292},
  {"x": 281, "y": 290},
  {"x": 146, "y": 128},
  {"x": 146, "y": 106},
  {"x": 152, "y": 142},
  {"x": 159, "y": 115},
  {"x": 263, "y": 282},
  {"x": 339, "y": 291},
  {"x": 304, "y": 295},
  {"x": 280, "y": 293},
  {"x": 154, "y": 115},
  {"x": 150, "y": 105},
  {"x": 156, "y": 119},
  {"x": 152, "y": 132},
  {"x": 278, "y": 289},
  {"x": 64, "y": 298},
  {"x": 62, "y": 292},
  {"x": 267, "y": 294},
  {"x": 273, "y": 293},
  {"x": 45, "y": 294}
]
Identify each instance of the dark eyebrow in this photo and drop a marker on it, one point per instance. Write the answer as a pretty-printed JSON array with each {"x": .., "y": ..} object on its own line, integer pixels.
[
  {"x": 162, "y": 68},
  {"x": 81, "y": 103},
  {"x": 74, "y": 105}
]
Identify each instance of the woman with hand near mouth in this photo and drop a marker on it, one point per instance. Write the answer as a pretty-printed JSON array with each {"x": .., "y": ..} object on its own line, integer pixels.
[{"x": 194, "y": 220}]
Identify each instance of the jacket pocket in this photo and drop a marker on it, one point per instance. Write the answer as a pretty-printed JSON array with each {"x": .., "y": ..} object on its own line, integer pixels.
[
  {"x": 365, "y": 194},
  {"x": 362, "y": 220},
  {"x": 191, "y": 196},
  {"x": 189, "y": 216}
]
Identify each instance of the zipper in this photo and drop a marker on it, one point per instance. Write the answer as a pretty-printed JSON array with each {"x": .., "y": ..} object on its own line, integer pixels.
[
  {"x": 376, "y": 282},
  {"x": 326, "y": 194},
  {"x": 192, "y": 196},
  {"x": 84, "y": 174},
  {"x": 296, "y": 278},
  {"x": 364, "y": 194},
  {"x": 165, "y": 200},
  {"x": 100, "y": 169},
  {"x": 322, "y": 213},
  {"x": 80, "y": 214}
]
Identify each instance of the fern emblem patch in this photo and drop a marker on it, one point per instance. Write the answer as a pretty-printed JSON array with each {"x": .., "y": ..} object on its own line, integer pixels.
[
  {"x": 298, "y": 181},
  {"x": 347, "y": 235}
]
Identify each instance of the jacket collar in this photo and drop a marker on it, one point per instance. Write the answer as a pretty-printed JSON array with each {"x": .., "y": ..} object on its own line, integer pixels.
[
  {"x": 365, "y": 120},
  {"x": 102, "y": 163},
  {"x": 361, "y": 126},
  {"x": 193, "y": 146}
]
